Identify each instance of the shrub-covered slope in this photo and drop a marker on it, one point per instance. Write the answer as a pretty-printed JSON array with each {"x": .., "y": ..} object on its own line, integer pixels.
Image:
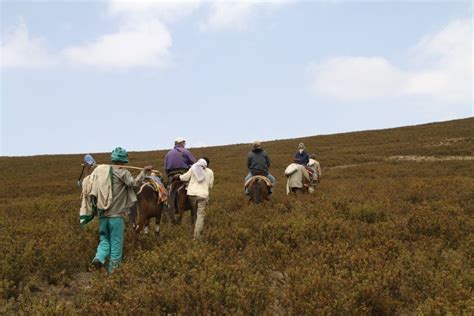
[{"x": 390, "y": 230}]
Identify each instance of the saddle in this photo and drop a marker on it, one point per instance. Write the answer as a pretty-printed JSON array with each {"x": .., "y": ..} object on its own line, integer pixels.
[
  {"x": 174, "y": 173},
  {"x": 253, "y": 178},
  {"x": 157, "y": 185}
]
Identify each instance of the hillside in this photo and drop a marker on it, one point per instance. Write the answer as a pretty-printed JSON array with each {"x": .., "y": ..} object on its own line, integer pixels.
[{"x": 389, "y": 230}]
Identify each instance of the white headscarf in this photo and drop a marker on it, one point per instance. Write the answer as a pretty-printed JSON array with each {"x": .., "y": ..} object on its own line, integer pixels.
[{"x": 198, "y": 170}]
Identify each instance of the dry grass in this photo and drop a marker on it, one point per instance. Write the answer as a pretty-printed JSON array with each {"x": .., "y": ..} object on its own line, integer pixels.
[{"x": 379, "y": 237}]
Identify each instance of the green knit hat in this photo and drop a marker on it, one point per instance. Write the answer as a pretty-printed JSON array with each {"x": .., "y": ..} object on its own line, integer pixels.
[{"x": 119, "y": 155}]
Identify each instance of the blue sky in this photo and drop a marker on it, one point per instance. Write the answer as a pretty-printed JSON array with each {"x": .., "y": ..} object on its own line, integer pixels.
[{"x": 81, "y": 76}]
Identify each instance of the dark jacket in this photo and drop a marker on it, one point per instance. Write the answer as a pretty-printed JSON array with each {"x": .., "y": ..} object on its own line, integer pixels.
[
  {"x": 303, "y": 157},
  {"x": 258, "y": 161}
]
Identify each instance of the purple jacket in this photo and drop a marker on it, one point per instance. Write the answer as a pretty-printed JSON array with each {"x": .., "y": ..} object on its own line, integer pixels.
[{"x": 178, "y": 158}]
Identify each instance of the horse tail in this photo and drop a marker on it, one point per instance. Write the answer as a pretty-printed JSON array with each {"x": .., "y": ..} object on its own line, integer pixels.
[
  {"x": 255, "y": 191},
  {"x": 258, "y": 191}
]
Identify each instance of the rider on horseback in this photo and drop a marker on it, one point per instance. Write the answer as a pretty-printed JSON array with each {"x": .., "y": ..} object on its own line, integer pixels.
[
  {"x": 178, "y": 160},
  {"x": 258, "y": 163},
  {"x": 302, "y": 155}
]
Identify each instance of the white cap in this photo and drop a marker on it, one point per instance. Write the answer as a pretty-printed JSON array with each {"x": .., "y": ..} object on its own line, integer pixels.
[{"x": 179, "y": 140}]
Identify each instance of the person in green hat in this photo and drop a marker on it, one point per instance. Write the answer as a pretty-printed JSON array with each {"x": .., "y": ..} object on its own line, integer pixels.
[{"x": 111, "y": 220}]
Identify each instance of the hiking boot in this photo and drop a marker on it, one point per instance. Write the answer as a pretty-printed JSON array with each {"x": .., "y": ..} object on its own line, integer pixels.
[{"x": 95, "y": 265}]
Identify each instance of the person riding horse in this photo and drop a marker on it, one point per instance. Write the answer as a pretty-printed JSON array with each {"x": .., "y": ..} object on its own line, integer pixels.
[
  {"x": 179, "y": 159},
  {"x": 258, "y": 163},
  {"x": 302, "y": 155}
]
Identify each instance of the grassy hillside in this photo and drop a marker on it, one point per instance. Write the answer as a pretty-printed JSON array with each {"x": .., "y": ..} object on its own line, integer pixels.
[{"x": 390, "y": 230}]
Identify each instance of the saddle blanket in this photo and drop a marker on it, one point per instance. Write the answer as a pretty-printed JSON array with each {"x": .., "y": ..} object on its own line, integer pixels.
[
  {"x": 252, "y": 179},
  {"x": 310, "y": 172},
  {"x": 158, "y": 186}
]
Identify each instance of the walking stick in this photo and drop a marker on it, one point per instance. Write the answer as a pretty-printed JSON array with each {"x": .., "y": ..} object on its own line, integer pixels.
[{"x": 88, "y": 162}]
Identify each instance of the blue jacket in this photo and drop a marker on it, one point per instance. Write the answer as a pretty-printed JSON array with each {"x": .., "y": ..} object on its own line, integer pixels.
[{"x": 303, "y": 157}]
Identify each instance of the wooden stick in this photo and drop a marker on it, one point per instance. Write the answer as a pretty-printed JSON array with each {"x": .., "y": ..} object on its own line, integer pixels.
[
  {"x": 130, "y": 167},
  {"x": 136, "y": 168}
]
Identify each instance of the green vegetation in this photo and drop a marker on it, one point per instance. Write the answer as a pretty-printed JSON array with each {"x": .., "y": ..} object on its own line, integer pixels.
[{"x": 380, "y": 236}]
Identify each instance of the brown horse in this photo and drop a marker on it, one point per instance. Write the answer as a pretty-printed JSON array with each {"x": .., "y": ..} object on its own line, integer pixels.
[
  {"x": 148, "y": 206},
  {"x": 258, "y": 190},
  {"x": 178, "y": 202}
]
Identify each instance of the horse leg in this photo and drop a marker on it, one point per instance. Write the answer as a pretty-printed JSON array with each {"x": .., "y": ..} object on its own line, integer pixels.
[
  {"x": 171, "y": 208},
  {"x": 139, "y": 219},
  {"x": 157, "y": 227},
  {"x": 181, "y": 205},
  {"x": 179, "y": 218},
  {"x": 158, "y": 218},
  {"x": 133, "y": 216}
]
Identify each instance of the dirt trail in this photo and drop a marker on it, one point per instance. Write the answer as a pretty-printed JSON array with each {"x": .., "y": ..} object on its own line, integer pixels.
[
  {"x": 429, "y": 158},
  {"x": 406, "y": 158}
]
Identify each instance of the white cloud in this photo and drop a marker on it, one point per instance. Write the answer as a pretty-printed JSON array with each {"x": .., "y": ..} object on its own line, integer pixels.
[
  {"x": 19, "y": 50},
  {"x": 144, "y": 44},
  {"x": 238, "y": 15},
  {"x": 141, "y": 40},
  {"x": 168, "y": 11},
  {"x": 449, "y": 68},
  {"x": 442, "y": 71},
  {"x": 142, "y": 37},
  {"x": 230, "y": 15},
  {"x": 355, "y": 78}
]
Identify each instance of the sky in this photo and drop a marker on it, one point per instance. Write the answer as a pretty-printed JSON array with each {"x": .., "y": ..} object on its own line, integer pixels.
[{"x": 88, "y": 76}]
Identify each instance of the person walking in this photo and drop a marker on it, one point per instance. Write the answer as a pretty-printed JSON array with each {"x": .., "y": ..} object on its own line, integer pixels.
[
  {"x": 201, "y": 179},
  {"x": 297, "y": 176},
  {"x": 111, "y": 219}
]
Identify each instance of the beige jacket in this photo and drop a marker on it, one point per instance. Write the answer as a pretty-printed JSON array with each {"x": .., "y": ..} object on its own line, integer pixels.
[
  {"x": 96, "y": 186},
  {"x": 198, "y": 189},
  {"x": 123, "y": 193},
  {"x": 296, "y": 173},
  {"x": 113, "y": 188}
]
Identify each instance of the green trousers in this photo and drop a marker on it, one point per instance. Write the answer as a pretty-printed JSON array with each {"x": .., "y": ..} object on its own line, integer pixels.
[{"x": 111, "y": 231}]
